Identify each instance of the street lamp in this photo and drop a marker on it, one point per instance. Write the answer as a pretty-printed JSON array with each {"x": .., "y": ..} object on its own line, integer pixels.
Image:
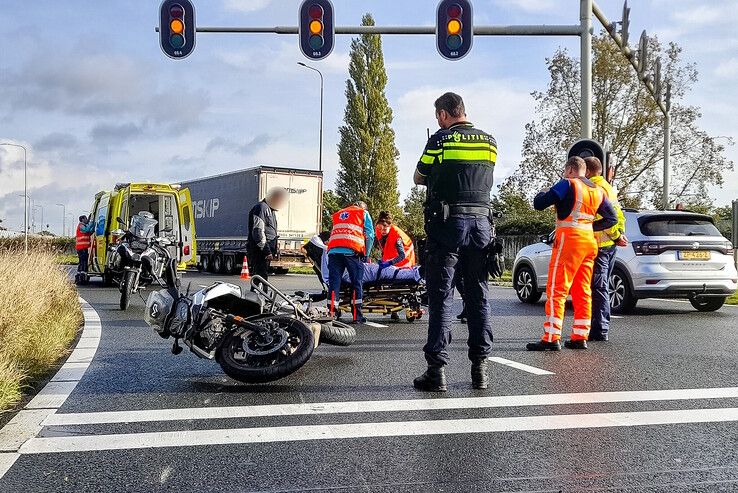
[
  {"x": 320, "y": 156},
  {"x": 64, "y": 218},
  {"x": 39, "y": 206},
  {"x": 25, "y": 188}
]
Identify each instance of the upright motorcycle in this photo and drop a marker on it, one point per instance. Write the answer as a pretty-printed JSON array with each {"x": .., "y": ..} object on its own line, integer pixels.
[
  {"x": 258, "y": 336},
  {"x": 139, "y": 258}
]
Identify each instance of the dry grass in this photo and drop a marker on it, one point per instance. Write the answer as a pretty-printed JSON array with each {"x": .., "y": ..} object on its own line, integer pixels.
[{"x": 40, "y": 316}]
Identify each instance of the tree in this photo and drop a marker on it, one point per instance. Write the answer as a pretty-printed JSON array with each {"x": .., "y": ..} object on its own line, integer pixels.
[
  {"x": 412, "y": 221},
  {"x": 366, "y": 151},
  {"x": 518, "y": 215},
  {"x": 331, "y": 204},
  {"x": 629, "y": 123}
]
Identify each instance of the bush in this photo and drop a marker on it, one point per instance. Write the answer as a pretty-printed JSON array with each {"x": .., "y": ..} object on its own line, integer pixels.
[
  {"x": 40, "y": 317},
  {"x": 60, "y": 244}
]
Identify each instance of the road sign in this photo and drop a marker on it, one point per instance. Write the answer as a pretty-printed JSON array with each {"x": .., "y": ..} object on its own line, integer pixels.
[
  {"x": 316, "y": 28},
  {"x": 454, "y": 28},
  {"x": 177, "y": 28}
]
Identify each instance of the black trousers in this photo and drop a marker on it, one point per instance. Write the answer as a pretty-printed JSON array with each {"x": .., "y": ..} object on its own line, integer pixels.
[
  {"x": 83, "y": 255},
  {"x": 258, "y": 263},
  {"x": 457, "y": 244}
]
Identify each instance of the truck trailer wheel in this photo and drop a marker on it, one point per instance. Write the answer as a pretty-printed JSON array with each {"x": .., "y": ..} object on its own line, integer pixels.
[
  {"x": 229, "y": 264},
  {"x": 205, "y": 264},
  {"x": 217, "y": 264}
]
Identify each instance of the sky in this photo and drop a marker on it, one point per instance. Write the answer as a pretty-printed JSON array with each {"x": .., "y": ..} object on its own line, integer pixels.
[{"x": 86, "y": 88}]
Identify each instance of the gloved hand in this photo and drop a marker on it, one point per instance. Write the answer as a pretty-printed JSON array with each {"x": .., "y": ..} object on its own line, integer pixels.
[{"x": 384, "y": 265}]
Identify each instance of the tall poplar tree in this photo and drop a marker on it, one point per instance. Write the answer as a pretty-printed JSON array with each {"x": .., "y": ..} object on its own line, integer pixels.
[{"x": 366, "y": 151}]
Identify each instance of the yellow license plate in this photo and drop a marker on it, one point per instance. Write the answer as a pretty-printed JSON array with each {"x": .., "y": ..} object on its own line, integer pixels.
[{"x": 694, "y": 255}]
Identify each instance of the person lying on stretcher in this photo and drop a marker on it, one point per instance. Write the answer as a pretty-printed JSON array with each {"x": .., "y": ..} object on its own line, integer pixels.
[{"x": 372, "y": 273}]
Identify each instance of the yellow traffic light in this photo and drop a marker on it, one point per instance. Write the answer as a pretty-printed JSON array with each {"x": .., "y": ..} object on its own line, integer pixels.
[
  {"x": 316, "y": 27},
  {"x": 177, "y": 26},
  {"x": 454, "y": 26}
]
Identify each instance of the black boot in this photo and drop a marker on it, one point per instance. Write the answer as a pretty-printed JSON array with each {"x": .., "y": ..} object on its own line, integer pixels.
[
  {"x": 461, "y": 317},
  {"x": 480, "y": 374},
  {"x": 433, "y": 380},
  {"x": 544, "y": 346},
  {"x": 581, "y": 344}
]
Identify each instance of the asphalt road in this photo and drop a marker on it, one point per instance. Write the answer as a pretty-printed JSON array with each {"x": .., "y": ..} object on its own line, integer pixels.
[{"x": 627, "y": 437}]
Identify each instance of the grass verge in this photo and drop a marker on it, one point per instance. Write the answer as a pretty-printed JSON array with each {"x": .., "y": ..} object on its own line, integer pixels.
[
  {"x": 40, "y": 317},
  {"x": 733, "y": 300}
]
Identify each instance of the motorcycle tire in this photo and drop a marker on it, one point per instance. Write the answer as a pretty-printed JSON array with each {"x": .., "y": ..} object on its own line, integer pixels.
[
  {"x": 260, "y": 370},
  {"x": 127, "y": 290},
  {"x": 337, "y": 334}
]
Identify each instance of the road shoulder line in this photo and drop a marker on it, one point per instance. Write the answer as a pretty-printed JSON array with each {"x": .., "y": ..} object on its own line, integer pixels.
[{"x": 27, "y": 423}]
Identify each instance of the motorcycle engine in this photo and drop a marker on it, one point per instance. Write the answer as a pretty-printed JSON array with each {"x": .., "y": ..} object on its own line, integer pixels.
[{"x": 211, "y": 333}]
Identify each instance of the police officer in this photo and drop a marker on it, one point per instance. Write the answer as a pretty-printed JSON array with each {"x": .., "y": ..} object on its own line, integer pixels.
[
  {"x": 261, "y": 246},
  {"x": 457, "y": 166}
]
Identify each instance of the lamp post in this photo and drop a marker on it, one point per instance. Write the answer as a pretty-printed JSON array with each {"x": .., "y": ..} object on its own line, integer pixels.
[
  {"x": 320, "y": 156},
  {"x": 25, "y": 188},
  {"x": 64, "y": 218},
  {"x": 39, "y": 206}
]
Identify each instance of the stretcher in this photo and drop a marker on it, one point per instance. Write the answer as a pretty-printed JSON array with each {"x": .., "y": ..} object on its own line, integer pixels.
[{"x": 387, "y": 296}]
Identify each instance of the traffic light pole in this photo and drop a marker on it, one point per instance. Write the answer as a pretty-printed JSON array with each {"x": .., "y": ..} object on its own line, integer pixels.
[
  {"x": 664, "y": 105},
  {"x": 585, "y": 17}
]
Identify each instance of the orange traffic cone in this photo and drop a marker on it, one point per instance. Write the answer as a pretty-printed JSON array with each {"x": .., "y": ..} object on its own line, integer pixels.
[{"x": 245, "y": 275}]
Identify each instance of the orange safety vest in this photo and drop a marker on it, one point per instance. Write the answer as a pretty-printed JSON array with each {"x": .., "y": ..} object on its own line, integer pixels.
[
  {"x": 388, "y": 252},
  {"x": 83, "y": 239},
  {"x": 586, "y": 202},
  {"x": 348, "y": 230}
]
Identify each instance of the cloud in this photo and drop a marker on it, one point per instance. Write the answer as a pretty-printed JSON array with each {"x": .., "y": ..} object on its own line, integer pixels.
[
  {"x": 500, "y": 107},
  {"x": 728, "y": 68},
  {"x": 105, "y": 134},
  {"x": 246, "y": 6},
  {"x": 528, "y": 5},
  {"x": 250, "y": 147},
  {"x": 55, "y": 141}
]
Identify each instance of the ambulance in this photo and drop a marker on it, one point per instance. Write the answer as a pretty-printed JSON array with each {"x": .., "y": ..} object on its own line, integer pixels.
[{"x": 171, "y": 206}]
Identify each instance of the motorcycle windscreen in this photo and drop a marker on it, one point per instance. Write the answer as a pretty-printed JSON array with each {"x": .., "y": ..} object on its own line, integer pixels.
[{"x": 188, "y": 248}]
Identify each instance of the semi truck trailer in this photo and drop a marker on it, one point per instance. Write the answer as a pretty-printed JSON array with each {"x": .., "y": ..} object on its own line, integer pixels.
[{"x": 221, "y": 207}]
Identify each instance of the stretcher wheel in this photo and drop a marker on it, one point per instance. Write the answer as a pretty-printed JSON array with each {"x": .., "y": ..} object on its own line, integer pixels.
[{"x": 410, "y": 316}]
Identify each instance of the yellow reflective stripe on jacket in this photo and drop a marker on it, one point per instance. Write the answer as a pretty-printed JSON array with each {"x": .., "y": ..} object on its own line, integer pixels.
[
  {"x": 469, "y": 155},
  {"x": 426, "y": 159},
  {"x": 606, "y": 238}
]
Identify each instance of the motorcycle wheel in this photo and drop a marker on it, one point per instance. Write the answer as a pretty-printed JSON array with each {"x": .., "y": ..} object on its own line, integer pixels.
[
  {"x": 337, "y": 334},
  {"x": 127, "y": 290},
  {"x": 245, "y": 357}
]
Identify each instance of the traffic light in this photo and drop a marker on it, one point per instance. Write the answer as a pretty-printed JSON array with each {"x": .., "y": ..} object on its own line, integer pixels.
[
  {"x": 587, "y": 148},
  {"x": 454, "y": 28},
  {"x": 317, "y": 28},
  {"x": 177, "y": 28}
]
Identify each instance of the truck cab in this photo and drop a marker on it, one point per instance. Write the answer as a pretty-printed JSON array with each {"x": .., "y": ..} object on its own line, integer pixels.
[{"x": 171, "y": 206}]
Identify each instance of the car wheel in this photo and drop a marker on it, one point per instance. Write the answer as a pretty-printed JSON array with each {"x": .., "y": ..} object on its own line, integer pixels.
[
  {"x": 621, "y": 294},
  {"x": 218, "y": 264},
  {"x": 708, "y": 304},
  {"x": 525, "y": 286}
]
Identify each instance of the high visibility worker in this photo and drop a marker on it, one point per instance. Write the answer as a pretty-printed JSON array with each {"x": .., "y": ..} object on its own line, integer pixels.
[
  {"x": 397, "y": 247},
  {"x": 350, "y": 242},
  {"x": 457, "y": 166},
  {"x": 608, "y": 242},
  {"x": 577, "y": 201},
  {"x": 83, "y": 242}
]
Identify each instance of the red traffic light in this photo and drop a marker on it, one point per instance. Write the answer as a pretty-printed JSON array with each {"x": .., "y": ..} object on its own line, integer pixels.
[
  {"x": 315, "y": 11},
  {"x": 455, "y": 11},
  {"x": 177, "y": 11}
]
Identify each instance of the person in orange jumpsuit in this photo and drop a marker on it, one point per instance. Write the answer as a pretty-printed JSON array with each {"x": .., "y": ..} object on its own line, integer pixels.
[
  {"x": 397, "y": 247},
  {"x": 577, "y": 201}
]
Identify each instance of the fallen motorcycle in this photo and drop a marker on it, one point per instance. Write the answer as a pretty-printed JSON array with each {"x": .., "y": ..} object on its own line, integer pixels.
[{"x": 258, "y": 336}]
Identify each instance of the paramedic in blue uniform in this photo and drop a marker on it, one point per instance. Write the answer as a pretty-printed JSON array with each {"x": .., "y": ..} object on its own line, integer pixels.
[{"x": 457, "y": 166}]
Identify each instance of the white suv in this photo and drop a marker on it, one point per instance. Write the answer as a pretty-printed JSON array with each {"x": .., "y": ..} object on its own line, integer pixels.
[{"x": 671, "y": 254}]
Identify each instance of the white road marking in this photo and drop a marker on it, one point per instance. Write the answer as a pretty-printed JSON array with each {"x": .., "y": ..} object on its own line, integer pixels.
[
  {"x": 6, "y": 462},
  {"x": 375, "y": 324},
  {"x": 191, "y": 438},
  {"x": 616, "y": 316},
  {"x": 27, "y": 423},
  {"x": 520, "y": 366},
  {"x": 353, "y": 407}
]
